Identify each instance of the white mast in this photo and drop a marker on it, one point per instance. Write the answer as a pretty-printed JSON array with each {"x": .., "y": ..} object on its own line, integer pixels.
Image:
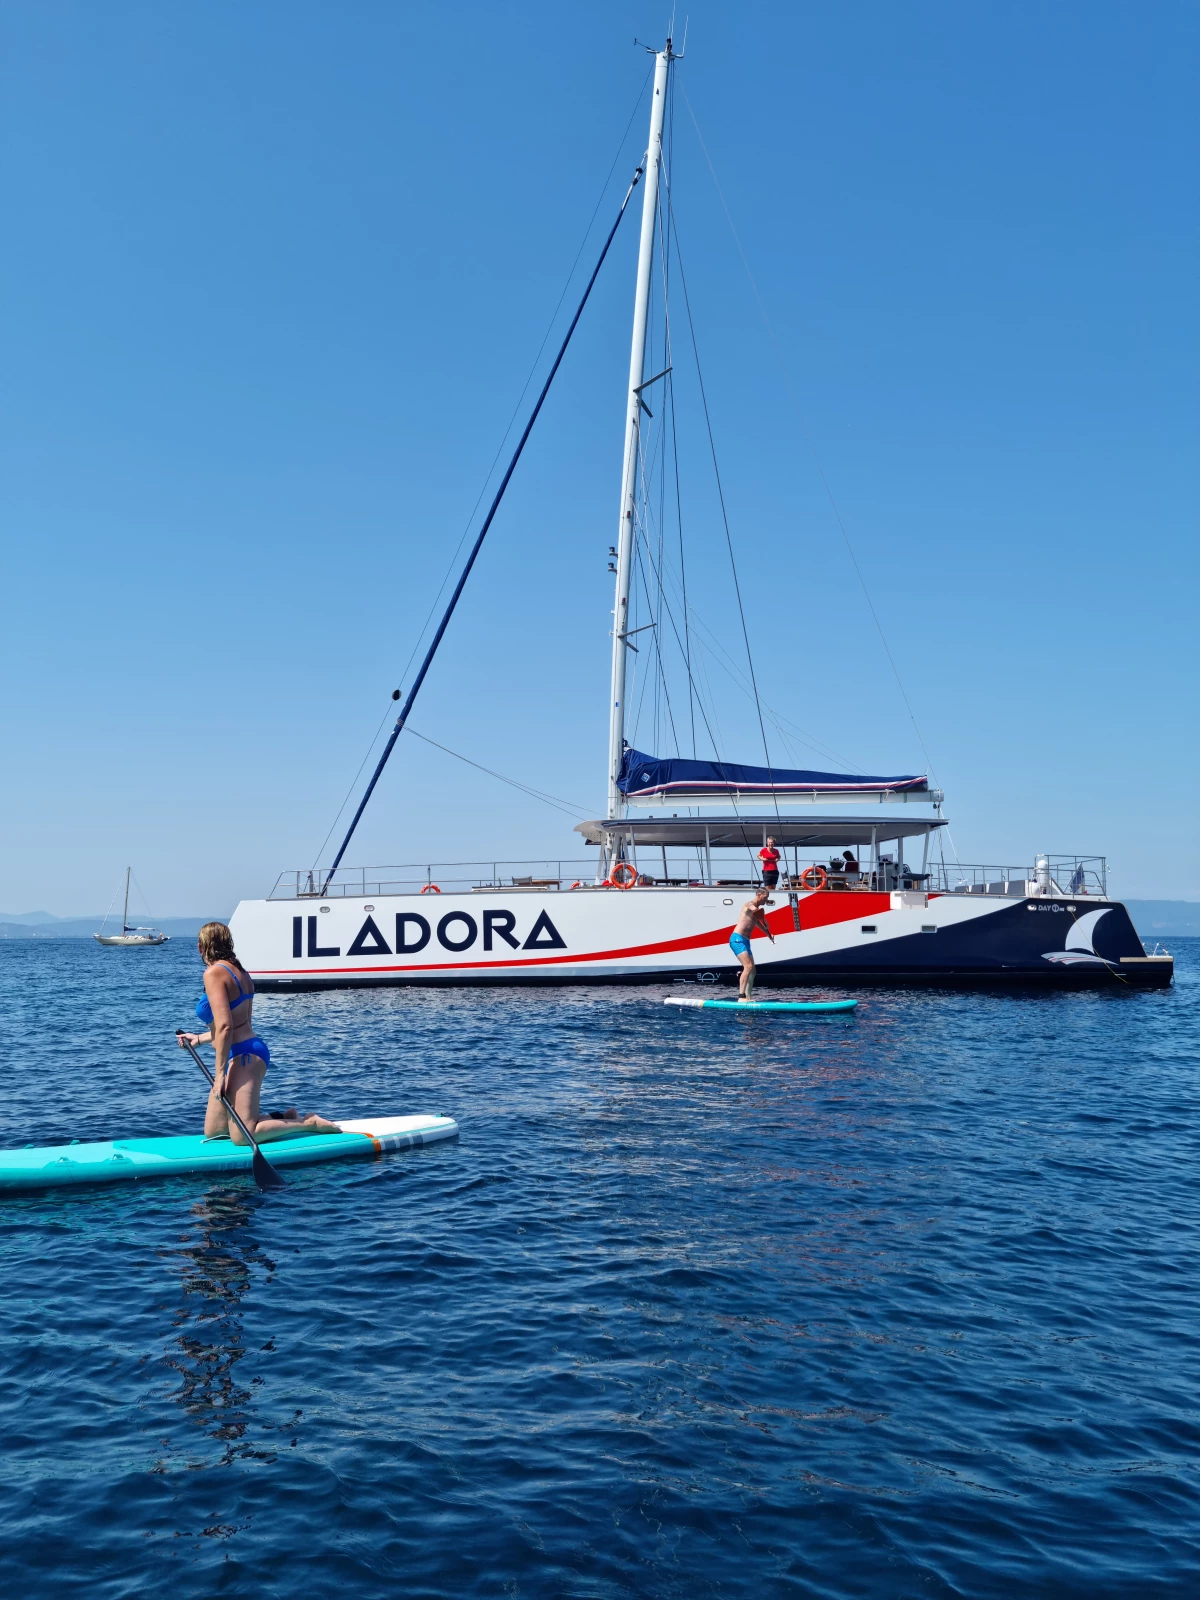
[
  {"x": 637, "y": 357},
  {"x": 125, "y": 913}
]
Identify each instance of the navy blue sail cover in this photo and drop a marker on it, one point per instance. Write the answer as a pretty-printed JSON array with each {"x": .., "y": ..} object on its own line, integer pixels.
[{"x": 642, "y": 774}]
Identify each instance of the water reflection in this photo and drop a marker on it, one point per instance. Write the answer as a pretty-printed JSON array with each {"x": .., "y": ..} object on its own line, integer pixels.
[{"x": 217, "y": 1261}]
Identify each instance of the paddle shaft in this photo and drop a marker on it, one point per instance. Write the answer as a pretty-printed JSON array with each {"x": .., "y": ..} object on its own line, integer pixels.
[{"x": 264, "y": 1173}]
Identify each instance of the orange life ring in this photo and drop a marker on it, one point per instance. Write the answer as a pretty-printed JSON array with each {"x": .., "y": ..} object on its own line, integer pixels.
[
  {"x": 431, "y": 888},
  {"x": 822, "y": 878},
  {"x": 624, "y": 883},
  {"x": 577, "y": 884}
]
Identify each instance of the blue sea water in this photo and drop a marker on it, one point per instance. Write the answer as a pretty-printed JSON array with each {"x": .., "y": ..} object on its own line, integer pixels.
[{"x": 903, "y": 1303}]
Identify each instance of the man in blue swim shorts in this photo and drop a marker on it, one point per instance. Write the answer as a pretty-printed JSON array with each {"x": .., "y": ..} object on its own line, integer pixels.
[{"x": 751, "y": 918}]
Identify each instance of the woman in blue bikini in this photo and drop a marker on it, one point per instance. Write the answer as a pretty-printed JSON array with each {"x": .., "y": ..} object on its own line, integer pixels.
[{"x": 242, "y": 1057}]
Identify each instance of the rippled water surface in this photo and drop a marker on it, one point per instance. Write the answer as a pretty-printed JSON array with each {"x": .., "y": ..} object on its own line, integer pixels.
[{"x": 699, "y": 1304}]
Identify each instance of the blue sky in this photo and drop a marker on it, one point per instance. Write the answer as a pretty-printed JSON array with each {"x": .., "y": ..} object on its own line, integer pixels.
[{"x": 275, "y": 276}]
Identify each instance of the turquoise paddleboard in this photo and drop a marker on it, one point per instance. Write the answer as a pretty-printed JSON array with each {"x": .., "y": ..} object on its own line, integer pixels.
[
  {"x": 123, "y": 1160},
  {"x": 763, "y": 1005}
]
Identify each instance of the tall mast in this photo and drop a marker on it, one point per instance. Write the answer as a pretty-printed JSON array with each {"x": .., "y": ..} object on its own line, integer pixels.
[
  {"x": 637, "y": 359},
  {"x": 125, "y": 913}
]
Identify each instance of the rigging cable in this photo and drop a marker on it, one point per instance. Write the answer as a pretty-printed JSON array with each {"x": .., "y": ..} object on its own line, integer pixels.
[
  {"x": 478, "y": 545},
  {"x": 645, "y": 527},
  {"x": 669, "y": 400},
  {"x": 762, "y": 728},
  {"x": 142, "y": 892},
  {"x": 700, "y": 700},
  {"x": 690, "y": 616},
  {"x": 662, "y": 473},
  {"x": 735, "y": 673},
  {"x": 491, "y": 469},
  {"x": 812, "y": 446},
  {"x": 559, "y": 804},
  {"x": 713, "y": 739},
  {"x": 788, "y": 730},
  {"x": 108, "y": 913},
  {"x": 525, "y": 387},
  {"x": 687, "y": 637},
  {"x": 661, "y": 441},
  {"x": 661, "y": 684}
]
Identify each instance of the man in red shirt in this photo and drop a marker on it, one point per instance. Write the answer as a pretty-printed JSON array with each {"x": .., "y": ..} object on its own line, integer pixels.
[{"x": 769, "y": 857}]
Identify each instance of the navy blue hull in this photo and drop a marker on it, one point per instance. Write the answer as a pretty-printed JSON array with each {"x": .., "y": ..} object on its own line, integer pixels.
[{"x": 1014, "y": 945}]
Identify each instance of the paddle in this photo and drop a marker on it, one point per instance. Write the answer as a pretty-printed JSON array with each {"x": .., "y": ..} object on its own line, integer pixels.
[{"x": 265, "y": 1175}]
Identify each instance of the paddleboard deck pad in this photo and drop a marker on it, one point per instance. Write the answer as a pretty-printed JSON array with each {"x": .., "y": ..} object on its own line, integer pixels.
[
  {"x": 124, "y": 1160},
  {"x": 762, "y": 1005}
]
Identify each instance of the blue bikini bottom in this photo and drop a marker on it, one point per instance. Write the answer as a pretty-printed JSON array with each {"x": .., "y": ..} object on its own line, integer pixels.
[{"x": 251, "y": 1047}]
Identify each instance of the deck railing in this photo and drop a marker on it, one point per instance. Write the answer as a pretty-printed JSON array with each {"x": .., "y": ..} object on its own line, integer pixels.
[
  {"x": 1065, "y": 875},
  {"x": 446, "y": 876}
]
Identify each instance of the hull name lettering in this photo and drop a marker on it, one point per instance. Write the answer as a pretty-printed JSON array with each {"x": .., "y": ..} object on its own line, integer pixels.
[
  {"x": 378, "y": 945},
  {"x": 468, "y": 938},
  {"x": 405, "y": 920},
  {"x": 314, "y": 949}
]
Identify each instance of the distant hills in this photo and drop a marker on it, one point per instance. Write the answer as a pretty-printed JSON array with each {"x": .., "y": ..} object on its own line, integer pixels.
[
  {"x": 41, "y": 925},
  {"x": 1153, "y": 919},
  {"x": 1165, "y": 919}
]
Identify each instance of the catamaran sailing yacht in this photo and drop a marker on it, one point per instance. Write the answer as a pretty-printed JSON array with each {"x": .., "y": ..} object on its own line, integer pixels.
[{"x": 672, "y": 859}]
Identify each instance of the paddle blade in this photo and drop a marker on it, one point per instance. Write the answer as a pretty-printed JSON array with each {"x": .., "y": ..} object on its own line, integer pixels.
[{"x": 265, "y": 1175}]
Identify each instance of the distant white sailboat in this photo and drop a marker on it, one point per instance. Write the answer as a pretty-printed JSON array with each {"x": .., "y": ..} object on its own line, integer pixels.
[{"x": 129, "y": 937}]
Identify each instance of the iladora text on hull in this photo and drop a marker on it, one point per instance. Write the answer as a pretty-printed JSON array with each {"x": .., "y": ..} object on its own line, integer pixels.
[{"x": 679, "y": 848}]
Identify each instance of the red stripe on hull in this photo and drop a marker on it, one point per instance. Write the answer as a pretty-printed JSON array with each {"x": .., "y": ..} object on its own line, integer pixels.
[
  {"x": 824, "y": 907},
  {"x": 820, "y": 909},
  {"x": 695, "y": 941}
]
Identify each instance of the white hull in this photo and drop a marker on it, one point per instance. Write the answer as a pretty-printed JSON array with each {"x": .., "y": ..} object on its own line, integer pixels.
[
  {"x": 657, "y": 933},
  {"x": 130, "y": 940}
]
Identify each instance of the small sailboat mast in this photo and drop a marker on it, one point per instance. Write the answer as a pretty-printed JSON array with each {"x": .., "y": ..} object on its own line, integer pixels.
[
  {"x": 125, "y": 913},
  {"x": 637, "y": 359}
]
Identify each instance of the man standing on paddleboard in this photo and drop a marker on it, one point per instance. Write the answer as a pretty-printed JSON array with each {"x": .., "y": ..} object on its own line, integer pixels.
[{"x": 752, "y": 916}]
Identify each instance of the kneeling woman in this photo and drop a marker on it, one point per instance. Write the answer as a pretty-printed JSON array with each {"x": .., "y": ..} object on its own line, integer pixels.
[{"x": 242, "y": 1057}]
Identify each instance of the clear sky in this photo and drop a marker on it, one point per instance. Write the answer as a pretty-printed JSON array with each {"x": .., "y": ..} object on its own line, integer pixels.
[{"x": 274, "y": 276}]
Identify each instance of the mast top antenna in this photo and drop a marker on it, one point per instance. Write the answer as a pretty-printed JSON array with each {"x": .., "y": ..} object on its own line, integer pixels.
[{"x": 667, "y": 50}]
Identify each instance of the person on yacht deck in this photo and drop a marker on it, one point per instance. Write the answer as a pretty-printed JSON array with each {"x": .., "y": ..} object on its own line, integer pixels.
[{"x": 769, "y": 857}]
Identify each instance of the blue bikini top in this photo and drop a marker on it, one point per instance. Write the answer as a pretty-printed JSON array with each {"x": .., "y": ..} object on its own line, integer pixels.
[{"x": 204, "y": 1006}]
